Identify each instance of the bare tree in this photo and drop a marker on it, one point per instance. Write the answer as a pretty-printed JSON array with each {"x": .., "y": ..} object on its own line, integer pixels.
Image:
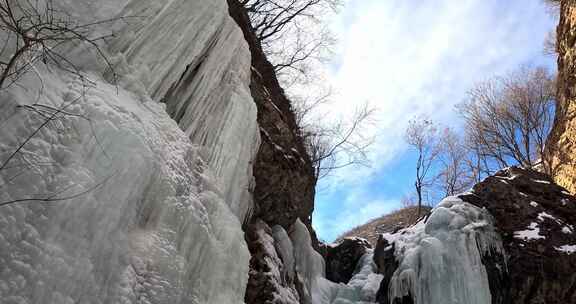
[
  {"x": 292, "y": 35},
  {"x": 36, "y": 32},
  {"x": 456, "y": 166},
  {"x": 339, "y": 145},
  {"x": 297, "y": 56},
  {"x": 549, "y": 47},
  {"x": 271, "y": 17},
  {"x": 508, "y": 118},
  {"x": 422, "y": 135}
]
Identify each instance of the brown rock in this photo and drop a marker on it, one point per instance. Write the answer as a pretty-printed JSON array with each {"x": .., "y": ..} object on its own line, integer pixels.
[{"x": 561, "y": 145}]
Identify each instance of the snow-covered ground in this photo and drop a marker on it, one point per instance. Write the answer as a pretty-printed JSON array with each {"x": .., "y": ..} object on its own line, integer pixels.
[{"x": 155, "y": 208}]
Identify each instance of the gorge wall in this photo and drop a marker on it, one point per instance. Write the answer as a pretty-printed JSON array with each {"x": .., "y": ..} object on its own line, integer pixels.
[{"x": 562, "y": 142}]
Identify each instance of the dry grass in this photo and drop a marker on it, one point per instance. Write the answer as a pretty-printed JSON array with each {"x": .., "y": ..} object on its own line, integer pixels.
[{"x": 386, "y": 224}]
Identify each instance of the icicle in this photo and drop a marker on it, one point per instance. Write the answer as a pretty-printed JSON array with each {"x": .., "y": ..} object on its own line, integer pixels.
[{"x": 440, "y": 259}]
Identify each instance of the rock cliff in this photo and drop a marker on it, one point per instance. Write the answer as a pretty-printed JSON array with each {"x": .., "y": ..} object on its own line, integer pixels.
[{"x": 561, "y": 145}]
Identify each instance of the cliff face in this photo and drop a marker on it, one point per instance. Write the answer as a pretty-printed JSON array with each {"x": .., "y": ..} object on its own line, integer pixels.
[
  {"x": 285, "y": 182},
  {"x": 283, "y": 192},
  {"x": 562, "y": 142}
]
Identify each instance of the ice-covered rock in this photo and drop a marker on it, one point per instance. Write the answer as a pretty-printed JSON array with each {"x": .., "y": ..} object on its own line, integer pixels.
[
  {"x": 133, "y": 207},
  {"x": 361, "y": 289},
  {"x": 273, "y": 277},
  {"x": 501, "y": 243},
  {"x": 440, "y": 258},
  {"x": 534, "y": 217}
]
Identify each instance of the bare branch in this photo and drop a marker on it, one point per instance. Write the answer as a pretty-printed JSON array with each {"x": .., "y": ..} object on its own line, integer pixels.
[{"x": 508, "y": 118}]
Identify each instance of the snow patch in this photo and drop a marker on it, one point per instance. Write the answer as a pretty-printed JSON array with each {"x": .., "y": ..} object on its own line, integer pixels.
[
  {"x": 569, "y": 249},
  {"x": 568, "y": 229},
  {"x": 541, "y": 181},
  {"x": 543, "y": 215},
  {"x": 532, "y": 233}
]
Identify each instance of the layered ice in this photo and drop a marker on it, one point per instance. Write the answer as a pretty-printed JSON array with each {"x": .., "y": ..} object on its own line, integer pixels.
[
  {"x": 295, "y": 249},
  {"x": 361, "y": 289},
  {"x": 141, "y": 209},
  {"x": 440, "y": 258}
]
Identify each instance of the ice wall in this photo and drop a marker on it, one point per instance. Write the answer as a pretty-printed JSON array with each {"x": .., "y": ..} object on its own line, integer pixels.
[
  {"x": 295, "y": 248},
  {"x": 191, "y": 55},
  {"x": 154, "y": 208},
  {"x": 440, "y": 259}
]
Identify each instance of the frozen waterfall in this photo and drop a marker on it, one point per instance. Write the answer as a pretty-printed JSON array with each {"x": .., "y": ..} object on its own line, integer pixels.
[
  {"x": 156, "y": 209},
  {"x": 440, "y": 258}
]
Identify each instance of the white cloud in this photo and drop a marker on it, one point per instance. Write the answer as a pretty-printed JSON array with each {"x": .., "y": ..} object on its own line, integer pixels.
[
  {"x": 411, "y": 57},
  {"x": 406, "y": 58}
]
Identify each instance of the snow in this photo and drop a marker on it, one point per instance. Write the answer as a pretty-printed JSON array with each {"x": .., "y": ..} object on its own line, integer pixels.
[
  {"x": 440, "y": 259},
  {"x": 568, "y": 229},
  {"x": 160, "y": 219},
  {"x": 543, "y": 215},
  {"x": 568, "y": 249},
  {"x": 532, "y": 233},
  {"x": 541, "y": 181},
  {"x": 534, "y": 204}
]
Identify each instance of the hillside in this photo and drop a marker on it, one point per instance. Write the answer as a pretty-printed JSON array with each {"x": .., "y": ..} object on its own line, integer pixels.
[{"x": 388, "y": 223}]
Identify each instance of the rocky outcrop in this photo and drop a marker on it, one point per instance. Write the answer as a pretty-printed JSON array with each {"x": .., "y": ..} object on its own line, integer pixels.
[
  {"x": 532, "y": 259},
  {"x": 561, "y": 145},
  {"x": 535, "y": 218},
  {"x": 342, "y": 258},
  {"x": 285, "y": 180}
]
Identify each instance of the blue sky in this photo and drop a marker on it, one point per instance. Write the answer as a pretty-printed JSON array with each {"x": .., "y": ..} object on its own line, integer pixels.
[{"x": 406, "y": 58}]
